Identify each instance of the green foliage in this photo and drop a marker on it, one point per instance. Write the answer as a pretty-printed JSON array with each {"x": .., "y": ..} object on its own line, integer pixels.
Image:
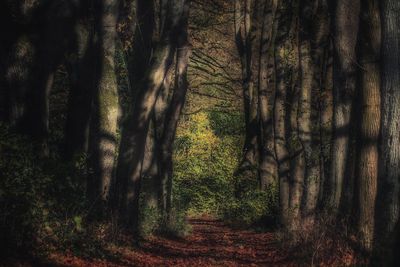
[
  {"x": 41, "y": 200},
  {"x": 206, "y": 155},
  {"x": 150, "y": 221},
  {"x": 254, "y": 207},
  {"x": 22, "y": 188},
  {"x": 176, "y": 225}
]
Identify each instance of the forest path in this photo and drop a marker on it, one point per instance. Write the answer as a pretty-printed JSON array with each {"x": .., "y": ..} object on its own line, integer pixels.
[{"x": 211, "y": 243}]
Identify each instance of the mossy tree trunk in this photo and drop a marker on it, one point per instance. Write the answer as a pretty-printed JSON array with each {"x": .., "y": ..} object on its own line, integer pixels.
[{"x": 106, "y": 108}]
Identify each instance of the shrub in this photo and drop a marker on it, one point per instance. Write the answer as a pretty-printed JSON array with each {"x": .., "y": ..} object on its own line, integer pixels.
[
  {"x": 253, "y": 208},
  {"x": 176, "y": 225},
  {"x": 41, "y": 200},
  {"x": 207, "y": 151}
]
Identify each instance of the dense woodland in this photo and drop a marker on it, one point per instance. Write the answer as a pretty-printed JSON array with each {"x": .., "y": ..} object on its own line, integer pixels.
[{"x": 121, "y": 119}]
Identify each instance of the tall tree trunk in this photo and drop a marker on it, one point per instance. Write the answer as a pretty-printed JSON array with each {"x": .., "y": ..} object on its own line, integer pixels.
[
  {"x": 369, "y": 58},
  {"x": 104, "y": 123},
  {"x": 81, "y": 94},
  {"x": 139, "y": 55},
  {"x": 313, "y": 37},
  {"x": 161, "y": 109},
  {"x": 345, "y": 38},
  {"x": 139, "y": 59},
  {"x": 244, "y": 36},
  {"x": 281, "y": 110},
  {"x": 137, "y": 123},
  {"x": 390, "y": 149},
  {"x": 305, "y": 121},
  {"x": 326, "y": 117},
  {"x": 174, "y": 111},
  {"x": 268, "y": 164}
]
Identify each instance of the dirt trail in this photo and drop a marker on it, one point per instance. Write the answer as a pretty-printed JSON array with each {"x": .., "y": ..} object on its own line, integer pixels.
[{"x": 211, "y": 244}]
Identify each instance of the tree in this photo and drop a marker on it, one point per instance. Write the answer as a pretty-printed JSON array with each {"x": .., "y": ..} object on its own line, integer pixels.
[
  {"x": 244, "y": 37},
  {"x": 106, "y": 108},
  {"x": 137, "y": 123},
  {"x": 282, "y": 75},
  {"x": 81, "y": 74},
  {"x": 345, "y": 32},
  {"x": 370, "y": 84},
  {"x": 174, "y": 111},
  {"x": 389, "y": 160},
  {"x": 268, "y": 164},
  {"x": 314, "y": 30}
]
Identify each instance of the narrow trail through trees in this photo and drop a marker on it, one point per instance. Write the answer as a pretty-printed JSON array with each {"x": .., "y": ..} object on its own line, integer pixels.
[{"x": 211, "y": 243}]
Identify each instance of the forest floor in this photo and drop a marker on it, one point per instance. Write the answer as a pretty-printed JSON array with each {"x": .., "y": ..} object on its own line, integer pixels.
[{"x": 211, "y": 243}]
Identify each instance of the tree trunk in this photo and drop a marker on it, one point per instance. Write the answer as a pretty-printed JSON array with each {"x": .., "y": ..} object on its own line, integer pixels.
[
  {"x": 281, "y": 110},
  {"x": 174, "y": 111},
  {"x": 390, "y": 149},
  {"x": 268, "y": 164},
  {"x": 53, "y": 40},
  {"x": 313, "y": 37},
  {"x": 104, "y": 123},
  {"x": 326, "y": 116},
  {"x": 345, "y": 37},
  {"x": 81, "y": 93},
  {"x": 369, "y": 59},
  {"x": 137, "y": 123},
  {"x": 244, "y": 42},
  {"x": 139, "y": 55}
]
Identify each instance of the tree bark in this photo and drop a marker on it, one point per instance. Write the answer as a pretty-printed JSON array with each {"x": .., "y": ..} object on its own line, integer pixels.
[
  {"x": 345, "y": 37},
  {"x": 281, "y": 110},
  {"x": 314, "y": 31},
  {"x": 369, "y": 58},
  {"x": 81, "y": 93},
  {"x": 268, "y": 165},
  {"x": 244, "y": 36},
  {"x": 139, "y": 55},
  {"x": 326, "y": 120},
  {"x": 137, "y": 123},
  {"x": 106, "y": 108},
  {"x": 389, "y": 172},
  {"x": 173, "y": 113}
]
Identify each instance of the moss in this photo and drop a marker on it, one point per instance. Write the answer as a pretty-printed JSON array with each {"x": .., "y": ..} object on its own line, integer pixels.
[{"x": 108, "y": 99}]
